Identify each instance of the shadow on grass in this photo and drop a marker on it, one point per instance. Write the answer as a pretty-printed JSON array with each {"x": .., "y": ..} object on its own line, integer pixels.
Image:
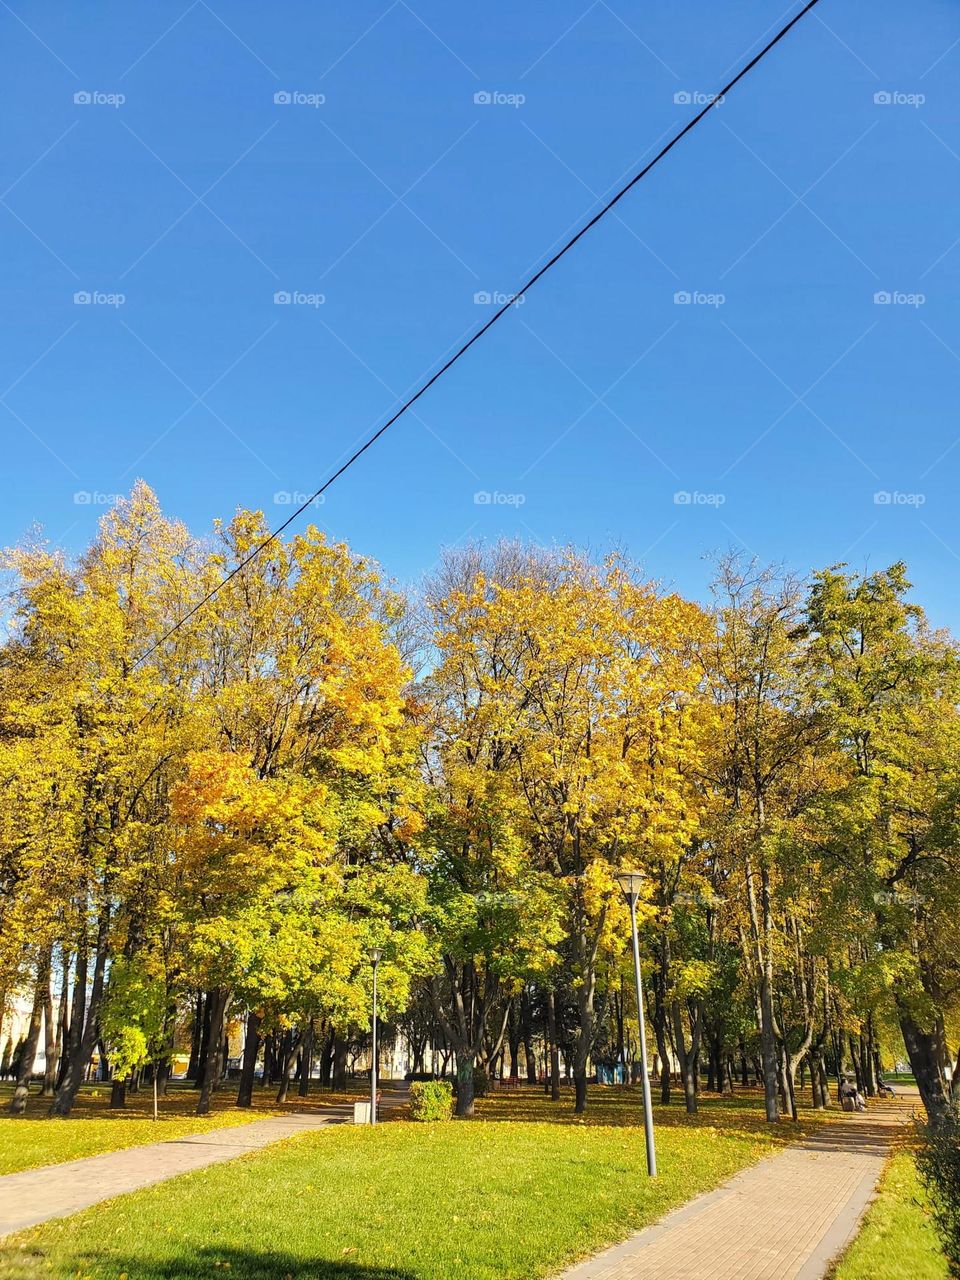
[
  {"x": 180, "y": 1102},
  {"x": 740, "y": 1115},
  {"x": 618, "y": 1106},
  {"x": 197, "y": 1263}
]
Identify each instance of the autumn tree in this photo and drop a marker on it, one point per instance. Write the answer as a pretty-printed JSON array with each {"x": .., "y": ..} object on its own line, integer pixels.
[{"x": 889, "y": 686}]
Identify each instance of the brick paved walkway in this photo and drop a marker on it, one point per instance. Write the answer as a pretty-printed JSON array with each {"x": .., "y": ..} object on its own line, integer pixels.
[
  {"x": 57, "y": 1190},
  {"x": 787, "y": 1218}
]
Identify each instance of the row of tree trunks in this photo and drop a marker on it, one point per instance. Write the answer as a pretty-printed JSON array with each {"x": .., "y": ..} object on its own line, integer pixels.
[
  {"x": 84, "y": 1021},
  {"x": 210, "y": 1063},
  {"x": 18, "y": 1103}
]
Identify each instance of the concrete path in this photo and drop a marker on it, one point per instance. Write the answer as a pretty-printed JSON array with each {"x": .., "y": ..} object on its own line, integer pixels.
[
  {"x": 57, "y": 1190},
  {"x": 786, "y": 1218}
]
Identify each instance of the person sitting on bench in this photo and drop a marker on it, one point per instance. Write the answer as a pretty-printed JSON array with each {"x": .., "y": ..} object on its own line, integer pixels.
[{"x": 849, "y": 1096}]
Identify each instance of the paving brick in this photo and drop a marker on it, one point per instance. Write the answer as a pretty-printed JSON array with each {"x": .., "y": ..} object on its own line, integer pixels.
[{"x": 785, "y": 1218}]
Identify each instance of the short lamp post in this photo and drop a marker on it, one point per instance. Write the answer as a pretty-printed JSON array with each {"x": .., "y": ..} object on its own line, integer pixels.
[
  {"x": 631, "y": 883},
  {"x": 375, "y": 954}
]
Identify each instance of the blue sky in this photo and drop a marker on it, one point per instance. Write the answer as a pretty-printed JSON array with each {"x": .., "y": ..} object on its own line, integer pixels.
[{"x": 782, "y": 398}]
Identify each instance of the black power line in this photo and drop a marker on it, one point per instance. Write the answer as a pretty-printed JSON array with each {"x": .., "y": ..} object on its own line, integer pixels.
[{"x": 502, "y": 310}]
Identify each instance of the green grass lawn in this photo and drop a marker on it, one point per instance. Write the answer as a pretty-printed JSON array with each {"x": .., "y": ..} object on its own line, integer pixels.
[
  {"x": 898, "y": 1240},
  {"x": 26, "y": 1142},
  {"x": 516, "y": 1193}
]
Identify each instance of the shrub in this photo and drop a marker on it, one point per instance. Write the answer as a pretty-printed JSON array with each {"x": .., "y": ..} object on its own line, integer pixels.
[
  {"x": 431, "y": 1100},
  {"x": 481, "y": 1082},
  {"x": 939, "y": 1162}
]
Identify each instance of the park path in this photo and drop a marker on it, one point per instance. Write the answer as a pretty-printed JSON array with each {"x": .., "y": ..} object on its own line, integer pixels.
[
  {"x": 57, "y": 1190},
  {"x": 786, "y": 1218}
]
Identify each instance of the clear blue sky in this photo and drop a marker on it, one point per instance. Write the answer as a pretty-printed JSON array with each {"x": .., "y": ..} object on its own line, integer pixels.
[{"x": 796, "y": 399}]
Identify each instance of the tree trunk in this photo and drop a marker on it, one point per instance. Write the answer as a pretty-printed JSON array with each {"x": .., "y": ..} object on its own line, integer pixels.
[
  {"x": 817, "y": 1084},
  {"x": 580, "y": 1056},
  {"x": 768, "y": 1045},
  {"x": 289, "y": 1065},
  {"x": 531, "y": 1058},
  {"x": 217, "y": 1009},
  {"x": 923, "y": 1052},
  {"x": 196, "y": 1039},
  {"x": 554, "y": 1047},
  {"x": 50, "y": 1033},
  {"x": 688, "y": 1057},
  {"x": 465, "y": 1064},
  {"x": 306, "y": 1067},
  {"x": 867, "y": 1059},
  {"x": 87, "y": 1038},
  {"x": 663, "y": 1052},
  {"x": 18, "y": 1103},
  {"x": 71, "y": 1043},
  {"x": 513, "y": 1037},
  {"x": 339, "y": 1062},
  {"x": 118, "y": 1095},
  {"x": 207, "y": 1060},
  {"x": 248, "y": 1070},
  {"x": 761, "y": 931}
]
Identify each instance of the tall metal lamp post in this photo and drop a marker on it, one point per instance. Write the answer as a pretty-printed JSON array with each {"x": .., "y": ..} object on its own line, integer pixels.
[
  {"x": 375, "y": 954},
  {"x": 631, "y": 883}
]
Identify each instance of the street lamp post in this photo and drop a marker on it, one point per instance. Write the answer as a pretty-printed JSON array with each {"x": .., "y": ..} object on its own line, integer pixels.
[
  {"x": 630, "y": 883},
  {"x": 374, "y": 960}
]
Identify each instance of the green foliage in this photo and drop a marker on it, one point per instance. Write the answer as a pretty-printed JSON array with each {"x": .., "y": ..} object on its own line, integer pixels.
[
  {"x": 939, "y": 1163},
  {"x": 134, "y": 1017},
  {"x": 431, "y": 1100}
]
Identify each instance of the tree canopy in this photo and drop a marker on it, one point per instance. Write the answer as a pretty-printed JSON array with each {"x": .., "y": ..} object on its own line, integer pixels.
[{"x": 216, "y": 815}]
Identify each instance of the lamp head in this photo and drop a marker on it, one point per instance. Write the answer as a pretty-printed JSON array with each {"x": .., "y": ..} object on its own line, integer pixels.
[
  {"x": 375, "y": 954},
  {"x": 631, "y": 883}
]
